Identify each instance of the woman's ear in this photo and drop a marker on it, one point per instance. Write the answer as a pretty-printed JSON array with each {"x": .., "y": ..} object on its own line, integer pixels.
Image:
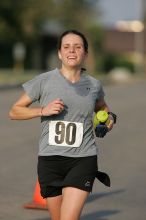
[{"x": 59, "y": 55}]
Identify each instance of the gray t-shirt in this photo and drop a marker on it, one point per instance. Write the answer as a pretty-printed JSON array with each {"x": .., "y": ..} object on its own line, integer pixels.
[{"x": 72, "y": 129}]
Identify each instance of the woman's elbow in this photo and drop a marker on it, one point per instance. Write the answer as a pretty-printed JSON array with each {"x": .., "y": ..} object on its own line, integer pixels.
[{"x": 12, "y": 114}]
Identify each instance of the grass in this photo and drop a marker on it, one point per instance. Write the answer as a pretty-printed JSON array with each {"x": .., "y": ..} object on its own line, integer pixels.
[{"x": 8, "y": 76}]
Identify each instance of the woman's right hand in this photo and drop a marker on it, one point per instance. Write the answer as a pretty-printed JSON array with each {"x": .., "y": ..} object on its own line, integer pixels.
[{"x": 53, "y": 108}]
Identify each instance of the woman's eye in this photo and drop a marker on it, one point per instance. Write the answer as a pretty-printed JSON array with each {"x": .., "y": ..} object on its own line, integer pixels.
[{"x": 78, "y": 47}]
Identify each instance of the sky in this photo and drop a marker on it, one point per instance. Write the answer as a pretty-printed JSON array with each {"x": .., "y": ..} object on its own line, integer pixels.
[{"x": 114, "y": 10}]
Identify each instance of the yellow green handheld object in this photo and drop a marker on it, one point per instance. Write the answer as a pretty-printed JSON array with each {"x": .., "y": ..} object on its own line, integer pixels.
[{"x": 100, "y": 117}]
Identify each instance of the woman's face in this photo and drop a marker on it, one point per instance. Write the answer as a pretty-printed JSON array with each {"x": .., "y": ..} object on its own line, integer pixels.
[{"x": 72, "y": 52}]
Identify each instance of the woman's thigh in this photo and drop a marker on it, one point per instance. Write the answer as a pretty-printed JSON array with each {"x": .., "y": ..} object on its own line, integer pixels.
[
  {"x": 73, "y": 200},
  {"x": 54, "y": 206}
]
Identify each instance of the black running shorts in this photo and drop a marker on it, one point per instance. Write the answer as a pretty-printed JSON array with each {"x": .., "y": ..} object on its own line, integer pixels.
[{"x": 57, "y": 172}]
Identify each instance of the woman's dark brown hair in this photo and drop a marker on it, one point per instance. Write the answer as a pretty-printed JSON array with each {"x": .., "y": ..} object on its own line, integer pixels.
[{"x": 85, "y": 43}]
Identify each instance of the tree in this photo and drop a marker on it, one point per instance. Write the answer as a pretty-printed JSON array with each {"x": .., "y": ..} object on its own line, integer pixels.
[
  {"x": 19, "y": 20},
  {"x": 22, "y": 20}
]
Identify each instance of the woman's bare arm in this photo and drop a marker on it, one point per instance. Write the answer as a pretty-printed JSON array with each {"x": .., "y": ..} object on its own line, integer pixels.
[{"x": 21, "y": 111}]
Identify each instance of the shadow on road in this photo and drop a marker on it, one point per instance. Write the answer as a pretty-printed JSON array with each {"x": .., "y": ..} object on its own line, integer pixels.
[
  {"x": 95, "y": 196},
  {"x": 100, "y": 215}
]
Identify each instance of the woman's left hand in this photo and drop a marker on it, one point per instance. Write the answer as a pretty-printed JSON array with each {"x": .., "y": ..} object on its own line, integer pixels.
[
  {"x": 112, "y": 120},
  {"x": 110, "y": 125}
]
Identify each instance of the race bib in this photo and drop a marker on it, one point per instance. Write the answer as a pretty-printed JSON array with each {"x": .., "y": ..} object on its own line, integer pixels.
[{"x": 64, "y": 133}]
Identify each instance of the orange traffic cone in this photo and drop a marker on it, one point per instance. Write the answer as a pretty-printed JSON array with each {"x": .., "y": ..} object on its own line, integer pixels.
[{"x": 38, "y": 201}]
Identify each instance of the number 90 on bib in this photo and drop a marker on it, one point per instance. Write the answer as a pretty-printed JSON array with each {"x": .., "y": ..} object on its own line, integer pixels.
[{"x": 64, "y": 133}]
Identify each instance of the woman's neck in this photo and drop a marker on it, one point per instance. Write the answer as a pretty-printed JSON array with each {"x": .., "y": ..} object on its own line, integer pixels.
[{"x": 72, "y": 74}]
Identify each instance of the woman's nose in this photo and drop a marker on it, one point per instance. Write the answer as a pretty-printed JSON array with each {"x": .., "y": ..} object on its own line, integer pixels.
[{"x": 72, "y": 49}]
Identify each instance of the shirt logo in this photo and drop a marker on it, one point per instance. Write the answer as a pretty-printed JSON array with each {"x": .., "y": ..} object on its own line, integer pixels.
[{"x": 87, "y": 184}]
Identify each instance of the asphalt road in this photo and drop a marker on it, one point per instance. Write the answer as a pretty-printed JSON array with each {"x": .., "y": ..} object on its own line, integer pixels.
[{"x": 121, "y": 153}]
